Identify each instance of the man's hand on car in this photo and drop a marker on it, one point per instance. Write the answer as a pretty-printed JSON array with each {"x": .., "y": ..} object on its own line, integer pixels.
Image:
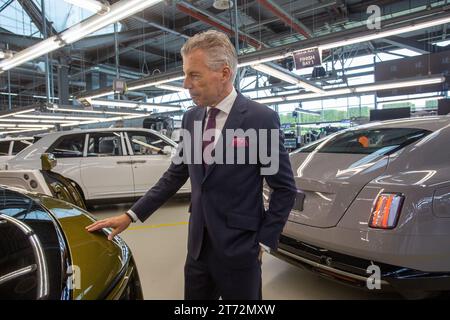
[{"x": 117, "y": 224}]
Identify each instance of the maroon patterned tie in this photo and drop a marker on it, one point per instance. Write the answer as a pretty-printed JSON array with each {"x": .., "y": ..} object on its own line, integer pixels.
[{"x": 211, "y": 124}]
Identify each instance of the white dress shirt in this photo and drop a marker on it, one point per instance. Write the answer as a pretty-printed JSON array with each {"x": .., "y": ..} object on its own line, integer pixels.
[{"x": 225, "y": 108}]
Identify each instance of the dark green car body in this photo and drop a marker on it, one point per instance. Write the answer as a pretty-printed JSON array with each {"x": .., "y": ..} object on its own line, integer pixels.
[{"x": 46, "y": 253}]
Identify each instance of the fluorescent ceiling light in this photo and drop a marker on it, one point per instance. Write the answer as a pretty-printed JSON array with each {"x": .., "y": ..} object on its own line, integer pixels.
[
  {"x": 77, "y": 123},
  {"x": 286, "y": 77},
  {"x": 8, "y": 125},
  {"x": 357, "y": 89},
  {"x": 401, "y": 84},
  {"x": 17, "y": 112},
  {"x": 5, "y": 54},
  {"x": 383, "y": 34},
  {"x": 131, "y": 104},
  {"x": 50, "y": 117},
  {"x": 172, "y": 88},
  {"x": 99, "y": 95},
  {"x": 263, "y": 60},
  {"x": 151, "y": 83},
  {"x": 89, "y": 111},
  {"x": 117, "y": 12},
  {"x": 270, "y": 100},
  {"x": 91, "y": 5},
  {"x": 377, "y": 34},
  {"x": 30, "y": 53},
  {"x": 432, "y": 98}
]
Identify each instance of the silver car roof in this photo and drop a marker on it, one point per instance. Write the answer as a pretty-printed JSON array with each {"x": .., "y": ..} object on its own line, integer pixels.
[{"x": 431, "y": 123}]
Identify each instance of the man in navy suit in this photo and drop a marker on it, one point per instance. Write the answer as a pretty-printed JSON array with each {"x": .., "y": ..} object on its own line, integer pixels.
[{"x": 229, "y": 228}]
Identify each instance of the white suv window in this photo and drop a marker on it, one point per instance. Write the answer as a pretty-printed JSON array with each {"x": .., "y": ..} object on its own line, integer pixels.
[
  {"x": 146, "y": 143},
  {"x": 70, "y": 146},
  {"x": 19, "y": 145},
  {"x": 108, "y": 144},
  {"x": 4, "y": 148}
]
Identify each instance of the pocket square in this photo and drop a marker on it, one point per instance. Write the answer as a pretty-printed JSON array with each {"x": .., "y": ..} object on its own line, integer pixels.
[{"x": 240, "y": 142}]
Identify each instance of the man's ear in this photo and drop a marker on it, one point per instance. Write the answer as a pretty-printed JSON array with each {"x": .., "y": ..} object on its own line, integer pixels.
[{"x": 226, "y": 73}]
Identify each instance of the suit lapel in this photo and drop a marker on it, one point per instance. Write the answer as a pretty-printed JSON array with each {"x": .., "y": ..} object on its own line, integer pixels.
[
  {"x": 234, "y": 121},
  {"x": 199, "y": 116}
]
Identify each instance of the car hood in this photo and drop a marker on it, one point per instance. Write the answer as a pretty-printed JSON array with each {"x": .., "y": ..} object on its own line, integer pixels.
[{"x": 97, "y": 263}]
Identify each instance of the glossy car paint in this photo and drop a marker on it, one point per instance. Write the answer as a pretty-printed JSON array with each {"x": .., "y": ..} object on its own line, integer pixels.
[
  {"x": 102, "y": 267},
  {"x": 420, "y": 171}
]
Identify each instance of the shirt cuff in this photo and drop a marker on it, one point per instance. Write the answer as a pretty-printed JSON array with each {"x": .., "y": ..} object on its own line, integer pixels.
[
  {"x": 264, "y": 247},
  {"x": 132, "y": 215}
]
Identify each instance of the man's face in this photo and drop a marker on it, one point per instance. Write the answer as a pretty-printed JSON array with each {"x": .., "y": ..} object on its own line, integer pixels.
[{"x": 205, "y": 86}]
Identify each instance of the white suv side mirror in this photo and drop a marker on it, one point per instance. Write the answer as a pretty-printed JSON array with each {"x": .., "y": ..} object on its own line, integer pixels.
[{"x": 168, "y": 150}]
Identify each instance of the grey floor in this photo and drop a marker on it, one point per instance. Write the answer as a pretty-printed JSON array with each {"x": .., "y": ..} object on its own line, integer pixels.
[{"x": 159, "y": 248}]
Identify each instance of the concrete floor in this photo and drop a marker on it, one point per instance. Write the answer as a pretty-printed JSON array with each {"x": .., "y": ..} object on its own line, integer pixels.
[{"x": 159, "y": 247}]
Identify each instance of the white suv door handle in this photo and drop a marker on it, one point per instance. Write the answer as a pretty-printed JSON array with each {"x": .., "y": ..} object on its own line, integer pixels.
[{"x": 124, "y": 162}]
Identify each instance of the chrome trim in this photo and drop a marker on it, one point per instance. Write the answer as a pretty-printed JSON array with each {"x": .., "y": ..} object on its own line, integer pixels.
[
  {"x": 17, "y": 273},
  {"x": 42, "y": 269},
  {"x": 327, "y": 268}
]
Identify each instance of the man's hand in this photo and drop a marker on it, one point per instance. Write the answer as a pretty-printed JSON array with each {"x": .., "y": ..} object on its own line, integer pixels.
[
  {"x": 261, "y": 251},
  {"x": 118, "y": 224}
]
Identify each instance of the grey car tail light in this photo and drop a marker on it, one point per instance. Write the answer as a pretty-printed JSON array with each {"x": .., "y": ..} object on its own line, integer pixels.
[{"x": 386, "y": 211}]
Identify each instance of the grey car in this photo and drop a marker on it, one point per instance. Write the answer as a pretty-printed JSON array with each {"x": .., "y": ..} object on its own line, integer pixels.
[{"x": 373, "y": 207}]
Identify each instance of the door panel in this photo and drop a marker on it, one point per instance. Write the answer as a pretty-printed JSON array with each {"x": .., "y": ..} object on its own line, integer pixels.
[
  {"x": 149, "y": 160},
  {"x": 105, "y": 170}
]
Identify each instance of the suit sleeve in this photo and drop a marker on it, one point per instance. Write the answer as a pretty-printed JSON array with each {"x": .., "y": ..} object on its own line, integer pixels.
[
  {"x": 172, "y": 180},
  {"x": 283, "y": 185}
]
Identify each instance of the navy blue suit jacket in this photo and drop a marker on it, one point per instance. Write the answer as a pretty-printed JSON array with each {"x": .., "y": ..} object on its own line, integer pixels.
[{"x": 227, "y": 199}]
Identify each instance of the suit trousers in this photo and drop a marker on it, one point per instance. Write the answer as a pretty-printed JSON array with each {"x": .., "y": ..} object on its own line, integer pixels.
[{"x": 208, "y": 279}]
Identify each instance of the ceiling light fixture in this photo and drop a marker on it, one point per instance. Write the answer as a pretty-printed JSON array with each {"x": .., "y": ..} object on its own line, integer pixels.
[
  {"x": 51, "y": 117},
  {"x": 388, "y": 85},
  {"x": 285, "y": 76},
  {"x": 223, "y": 4},
  {"x": 78, "y": 123},
  {"x": 91, "y": 5},
  {"x": 376, "y": 34},
  {"x": 117, "y": 12},
  {"x": 17, "y": 112},
  {"x": 132, "y": 104},
  {"x": 172, "y": 88},
  {"x": 152, "y": 83},
  {"x": 383, "y": 34}
]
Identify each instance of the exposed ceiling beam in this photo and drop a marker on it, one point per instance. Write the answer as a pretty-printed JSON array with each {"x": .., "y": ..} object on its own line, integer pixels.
[
  {"x": 35, "y": 15},
  {"x": 416, "y": 46},
  {"x": 291, "y": 21},
  {"x": 134, "y": 46},
  {"x": 5, "y": 5},
  {"x": 161, "y": 27},
  {"x": 212, "y": 21}
]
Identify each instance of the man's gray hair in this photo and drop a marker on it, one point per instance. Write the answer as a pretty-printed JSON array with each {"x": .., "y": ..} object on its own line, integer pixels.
[{"x": 219, "y": 49}]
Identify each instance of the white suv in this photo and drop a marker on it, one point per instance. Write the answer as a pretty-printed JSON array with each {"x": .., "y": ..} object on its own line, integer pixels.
[
  {"x": 107, "y": 165},
  {"x": 9, "y": 147}
]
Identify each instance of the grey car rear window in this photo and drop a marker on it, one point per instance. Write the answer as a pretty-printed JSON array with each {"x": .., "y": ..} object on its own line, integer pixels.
[{"x": 368, "y": 141}]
